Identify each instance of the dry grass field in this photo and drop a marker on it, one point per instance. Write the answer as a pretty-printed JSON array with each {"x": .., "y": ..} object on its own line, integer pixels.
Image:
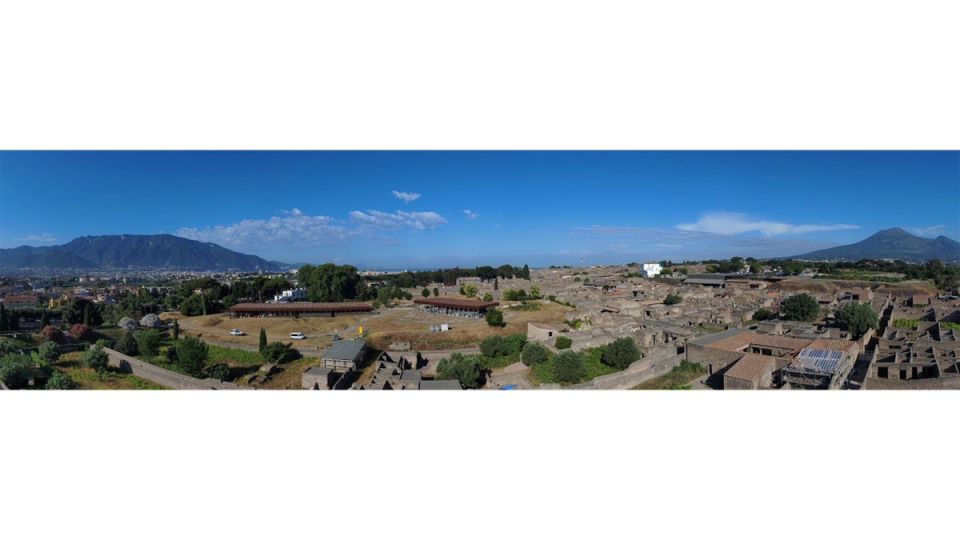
[{"x": 278, "y": 328}]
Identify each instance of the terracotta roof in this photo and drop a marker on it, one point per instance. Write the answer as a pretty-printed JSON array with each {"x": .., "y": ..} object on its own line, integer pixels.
[
  {"x": 749, "y": 367},
  {"x": 20, "y": 299},
  {"x": 733, "y": 343},
  {"x": 305, "y": 306},
  {"x": 779, "y": 342},
  {"x": 833, "y": 344},
  {"x": 456, "y": 303}
]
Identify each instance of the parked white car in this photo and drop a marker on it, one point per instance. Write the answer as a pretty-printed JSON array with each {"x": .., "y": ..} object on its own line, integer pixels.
[
  {"x": 236, "y": 332},
  {"x": 297, "y": 335}
]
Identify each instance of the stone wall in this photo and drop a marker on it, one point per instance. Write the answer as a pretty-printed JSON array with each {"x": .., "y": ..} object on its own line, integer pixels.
[
  {"x": 164, "y": 377},
  {"x": 713, "y": 359},
  {"x": 659, "y": 362}
]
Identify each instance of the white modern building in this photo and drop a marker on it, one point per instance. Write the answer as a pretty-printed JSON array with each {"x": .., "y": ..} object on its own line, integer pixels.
[
  {"x": 291, "y": 295},
  {"x": 652, "y": 268}
]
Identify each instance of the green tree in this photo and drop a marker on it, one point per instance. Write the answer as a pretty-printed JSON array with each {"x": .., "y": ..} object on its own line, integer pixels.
[
  {"x": 44, "y": 319},
  {"x": 487, "y": 297},
  {"x": 127, "y": 345},
  {"x": 276, "y": 352},
  {"x": 86, "y": 315},
  {"x": 525, "y": 273},
  {"x": 496, "y": 284},
  {"x": 857, "y": 318},
  {"x": 60, "y": 381},
  {"x": 436, "y": 291},
  {"x": 176, "y": 330},
  {"x": 801, "y": 307},
  {"x": 493, "y": 346},
  {"x": 148, "y": 342},
  {"x": 494, "y": 317},
  {"x": 469, "y": 289},
  {"x": 425, "y": 292},
  {"x": 563, "y": 342},
  {"x": 203, "y": 303},
  {"x": 220, "y": 372},
  {"x": 192, "y": 306},
  {"x": 16, "y": 370},
  {"x": 4, "y": 322},
  {"x": 569, "y": 367},
  {"x": 514, "y": 343},
  {"x": 263, "y": 339},
  {"x": 762, "y": 314},
  {"x": 672, "y": 299},
  {"x": 576, "y": 279},
  {"x": 534, "y": 353},
  {"x": 534, "y": 292},
  {"x": 192, "y": 355},
  {"x": 14, "y": 322},
  {"x": 460, "y": 368},
  {"x": 96, "y": 359},
  {"x": 49, "y": 351},
  {"x": 621, "y": 353}
]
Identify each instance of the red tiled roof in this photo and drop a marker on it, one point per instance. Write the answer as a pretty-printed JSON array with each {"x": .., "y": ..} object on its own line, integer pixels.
[
  {"x": 779, "y": 342},
  {"x": 832, "y": 344},
  {"x": 749, "y": 367},
  {"x": 20, "y": 299}
]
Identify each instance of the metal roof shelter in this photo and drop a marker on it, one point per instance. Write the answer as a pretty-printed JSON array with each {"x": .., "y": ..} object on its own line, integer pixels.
[
  {"x": 456, "y": 303},
  {"x": 295, "y": 309},
  {"x": 344, "y": 349},
  {"x": 706, "y": 279}
]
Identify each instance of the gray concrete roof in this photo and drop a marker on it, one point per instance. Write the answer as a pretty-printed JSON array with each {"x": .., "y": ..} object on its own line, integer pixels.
[
  {"x": 317, "y": 370},
  {"x": 440, "y": 385},
  {"x": 345, "y": 349},
  {"x": 411, "y": 375},
  {"x": 718, "y": 336}
]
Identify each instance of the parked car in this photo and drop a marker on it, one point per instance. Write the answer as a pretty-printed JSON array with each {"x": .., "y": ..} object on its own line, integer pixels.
[
  {"x": 297, "y": 335},
  {"x": 236, "y": 332}
]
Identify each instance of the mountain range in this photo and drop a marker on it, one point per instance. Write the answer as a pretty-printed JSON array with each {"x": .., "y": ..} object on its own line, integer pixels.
[
  {"x": 134, "y": 251},
  {"x": 893, "y": 243}
]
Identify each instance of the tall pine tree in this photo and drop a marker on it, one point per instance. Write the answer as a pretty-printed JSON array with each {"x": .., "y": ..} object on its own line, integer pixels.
[
  {"x": 44, "y": 319},
  {"x": 3, "y": 318},
  {"x": 86, "y": 315},
  {"x": 263, "y": 340},
  {"x": 176, "y": 330}
]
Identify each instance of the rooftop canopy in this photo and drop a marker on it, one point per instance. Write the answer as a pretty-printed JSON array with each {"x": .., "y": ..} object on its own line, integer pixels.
[
  {"x": 304, "y": 307},
  {"x": 456, "y": 303},
  {"x": 345, "y": 349}
]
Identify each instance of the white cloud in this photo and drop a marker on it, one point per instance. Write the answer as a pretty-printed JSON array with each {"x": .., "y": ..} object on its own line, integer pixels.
[
  {"x": 383, "y": 220},
  {"x": 730, "y": 223},
  {"x": 471, "y": 215},
  {"x": 295, "y": 228},
  {"x": 43, "y": 238},
  {"x": 926, "y": 231},
  {"x": 406, "y": 196}
]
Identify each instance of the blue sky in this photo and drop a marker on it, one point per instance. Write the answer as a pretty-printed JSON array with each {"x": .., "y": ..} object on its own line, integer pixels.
[{"x": 418, "y": 209}]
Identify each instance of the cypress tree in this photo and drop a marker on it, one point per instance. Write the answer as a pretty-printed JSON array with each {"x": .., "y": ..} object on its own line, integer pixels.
[
  {"x": 86, "y": 315},
  {"x": 44, "y": 319},
  {"x": 176, "y": 330},
  {"x": 496, "y": 284},
  {"x": 203, "y": 302},
  {"x": 263, "y": 339},
  {"x": 14, "y": 320},
  {"x": 3, "y": 318}
]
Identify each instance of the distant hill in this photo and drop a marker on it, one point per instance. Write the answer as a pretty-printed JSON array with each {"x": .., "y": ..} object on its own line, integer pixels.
[
  {"x": 135, "y": 251},
  {"x": 891, "y": 244}
]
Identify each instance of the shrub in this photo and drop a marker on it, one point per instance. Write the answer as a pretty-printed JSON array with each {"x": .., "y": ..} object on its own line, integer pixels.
[
  {"x": 148, "y": 342},
  {"x": 493, "y": 346},
  {"x": 672, "y": 299},
  {"x": 801, "y": 307},
  {"x": 171, "y": 354},
  {"x": 487, "y": 297},
  {"x": 7, "y": 347},
  {"x": 621, "y": 353},
  {"x": 127, "y": 324},
  {"x": 568, "y": 367},
  {"x": 762, "y": 314},
  {"x": 108, "y": 343},
  {"x": 425, "y": 292},
  {"x": 60, "y": 381},
  {"x": 494, "y": 317},
  {"x": 460, "y": 368},
  {"x": 52, "y": 333},
  {"x": 436, "y": 291},
  {"x": 96, "y": 358},
  {"x": 534, "y": 353},
  {"x": 15, "y": 370},
  {"x": 563, "y": 342},
  {"x": 220, "y": 372},
  {"x": 277, "y": 352},
  {"x": 191, "y": 355},
  {"x": 49, "y": 351},
  {"x": 79, "y": 331},
  {"x": 576, "y": 279},
  {"x": 514, "y": 343},
  {"x": 127, "y": 345}
]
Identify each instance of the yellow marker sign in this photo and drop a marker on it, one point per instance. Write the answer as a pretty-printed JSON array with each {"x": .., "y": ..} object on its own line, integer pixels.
[{"x": 360, "y": 330}]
